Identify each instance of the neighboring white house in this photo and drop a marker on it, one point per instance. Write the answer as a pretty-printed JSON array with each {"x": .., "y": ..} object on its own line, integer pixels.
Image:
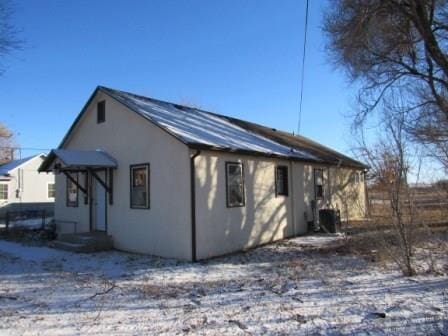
[
  {"x": 22, "y": 185},
  {"x": 176, "y": 181}
]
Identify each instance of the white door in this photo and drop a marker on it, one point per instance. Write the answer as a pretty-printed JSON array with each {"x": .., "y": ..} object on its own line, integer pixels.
[{"x": 99, "y": 203}]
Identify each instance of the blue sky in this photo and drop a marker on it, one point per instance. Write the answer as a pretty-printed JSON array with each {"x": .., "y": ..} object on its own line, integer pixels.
[{"x": 239, "y": 58}]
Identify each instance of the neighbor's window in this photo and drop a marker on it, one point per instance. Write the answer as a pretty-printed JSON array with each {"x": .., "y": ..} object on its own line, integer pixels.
[
  {"x": 140, "y": 186},
  {"x": 235, "y": 184},
  {"x": 101, "y": 112},
  {"x": 281, "y": 180},
  {"x": 319, "y": 183},
  {"x": 72, "y": 191},
  {"x": 3, "y": 191},
  {"x": 50, "y": 190}
]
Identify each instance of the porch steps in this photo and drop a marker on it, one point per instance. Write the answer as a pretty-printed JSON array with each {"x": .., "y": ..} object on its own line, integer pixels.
[{"x": 83, "y": 242}]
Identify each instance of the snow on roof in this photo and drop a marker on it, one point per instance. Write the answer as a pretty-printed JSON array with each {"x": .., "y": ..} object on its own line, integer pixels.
[
  {"x": 83, "y": 158},
  {"x": 193, "y": 126},
  {"x": 7, "y": 167}
]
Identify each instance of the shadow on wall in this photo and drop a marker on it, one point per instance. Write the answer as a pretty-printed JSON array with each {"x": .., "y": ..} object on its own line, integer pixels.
[
  {"x": 265, "y": 217},
  {"x": 349, "y": 195}
]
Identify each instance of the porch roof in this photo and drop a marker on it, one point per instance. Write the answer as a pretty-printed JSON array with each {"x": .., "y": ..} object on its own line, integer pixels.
[{"x": 72, "y": 159}]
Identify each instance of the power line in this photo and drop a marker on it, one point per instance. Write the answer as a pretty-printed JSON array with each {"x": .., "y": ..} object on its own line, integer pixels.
[
  {"x": 25, "y": 148},
  {"x": 303, "y": 68}
]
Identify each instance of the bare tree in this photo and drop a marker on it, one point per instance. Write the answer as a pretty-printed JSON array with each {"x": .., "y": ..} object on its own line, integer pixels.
[
  {"x": 396, "y": 45},
  {"x": 390, "y": 164},
  {"x": 6, "y": 144},
  {"x": 9, "y": 40}
]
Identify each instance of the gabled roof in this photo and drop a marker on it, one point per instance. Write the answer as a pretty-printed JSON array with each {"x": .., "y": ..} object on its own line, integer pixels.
[
  {"x": 195, "y": 127},
  {"x": 7, "y": 167},
  {"x": 202, "y": 129},
  {"x": 206, "y": 130}
]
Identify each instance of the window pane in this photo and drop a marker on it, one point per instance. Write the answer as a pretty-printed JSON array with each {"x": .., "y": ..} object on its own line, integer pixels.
[
  {"x": 139, "y": 179},
  {"x": 51, "y": 190},
  {"x": 101, "y": 112},
  {"x": 72, "y": 191},
  {"x": 235, "y": 186},
  {"x": 3, "y": 191},
  {"x": 282, "y": 181},
  {"x": 318, "y": 183},
  {"x": 139, "y": 187}
]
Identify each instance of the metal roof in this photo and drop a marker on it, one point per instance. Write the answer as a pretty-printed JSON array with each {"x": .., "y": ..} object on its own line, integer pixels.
[
  {"x": 201, "y": 129},
  {"x": 79, "y": 159},
  {"x": 7, "y": 167}
]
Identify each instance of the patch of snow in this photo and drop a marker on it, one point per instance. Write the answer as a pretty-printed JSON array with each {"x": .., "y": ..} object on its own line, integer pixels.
[
  {"x": 195, "y": 126},
  {"x": 290, "y": 287}
]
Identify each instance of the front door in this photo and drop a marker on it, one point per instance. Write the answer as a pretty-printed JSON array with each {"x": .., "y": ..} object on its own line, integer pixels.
[{"x": 99, "y": 203}]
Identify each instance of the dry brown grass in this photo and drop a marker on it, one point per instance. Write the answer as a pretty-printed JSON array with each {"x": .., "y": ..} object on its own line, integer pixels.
[{"x": 380, "y": 247}]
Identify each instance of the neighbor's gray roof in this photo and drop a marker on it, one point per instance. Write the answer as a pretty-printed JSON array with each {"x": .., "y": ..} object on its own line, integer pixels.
[
  {"x": 79, "y": 159},
  {"x": 201, "y": 129},
  {"x": 7, "y": 167}
]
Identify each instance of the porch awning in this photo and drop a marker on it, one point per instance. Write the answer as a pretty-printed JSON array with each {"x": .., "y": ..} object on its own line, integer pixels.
[{"x": 70, "y": 159}]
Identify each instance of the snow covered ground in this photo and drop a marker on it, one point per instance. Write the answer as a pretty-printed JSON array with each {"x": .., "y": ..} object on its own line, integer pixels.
[{"x": 297, "y": 286}]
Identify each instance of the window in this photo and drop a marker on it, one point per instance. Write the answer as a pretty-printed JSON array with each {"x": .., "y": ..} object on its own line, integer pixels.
[
  {"x": 101, "y": 112},
  {"x": 319, "y": 183},
  {"x": 50, "y": 190},
  {"x": 72, "y": 191},
  {"x": 3, "y": 191},
  {"x": 140, "y": 186},
  {"x": 281, "y": 180},
  {"x": 235, "y": 184}
]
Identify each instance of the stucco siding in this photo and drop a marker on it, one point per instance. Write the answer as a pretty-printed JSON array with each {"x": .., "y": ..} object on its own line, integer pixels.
[
  {"x": 348, "y": 193},
  {"x": 69, "y": 219},
  {"x": 265, "y": 217},
  {"x": 165, "y": 228}
]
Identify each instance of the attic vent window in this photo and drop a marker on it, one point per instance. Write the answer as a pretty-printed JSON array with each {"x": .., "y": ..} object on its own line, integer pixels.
[{"x": 101, "y": 112}]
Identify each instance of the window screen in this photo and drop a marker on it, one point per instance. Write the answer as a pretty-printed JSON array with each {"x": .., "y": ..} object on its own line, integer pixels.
[
  {"x": 72, "y": 191},
  {"x": 3, "y": 191},
  {"x": 50, "y": 190},
  {"x": 319, "y": 183},
  {"x": 235, "y": 184},
  {"x": 140, "y": 186},
  {"x": 281, "y": 180}
]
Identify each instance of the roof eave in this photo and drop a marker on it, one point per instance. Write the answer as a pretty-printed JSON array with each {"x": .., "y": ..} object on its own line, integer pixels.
[{"x": 271, "y": 155}]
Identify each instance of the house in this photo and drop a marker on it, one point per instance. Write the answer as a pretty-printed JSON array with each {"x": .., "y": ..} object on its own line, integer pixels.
[
  {"x": 23, "y": 188},
  {"x": 176, "y": 181}
]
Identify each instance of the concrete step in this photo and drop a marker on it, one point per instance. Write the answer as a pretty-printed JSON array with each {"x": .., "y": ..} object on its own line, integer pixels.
[{"x": 83, "y": 242}]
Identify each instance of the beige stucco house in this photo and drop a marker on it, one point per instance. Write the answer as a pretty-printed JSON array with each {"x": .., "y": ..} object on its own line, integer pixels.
[
  {"x": 176, "y": 181},
  {"x": 22, "y": 187}
]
